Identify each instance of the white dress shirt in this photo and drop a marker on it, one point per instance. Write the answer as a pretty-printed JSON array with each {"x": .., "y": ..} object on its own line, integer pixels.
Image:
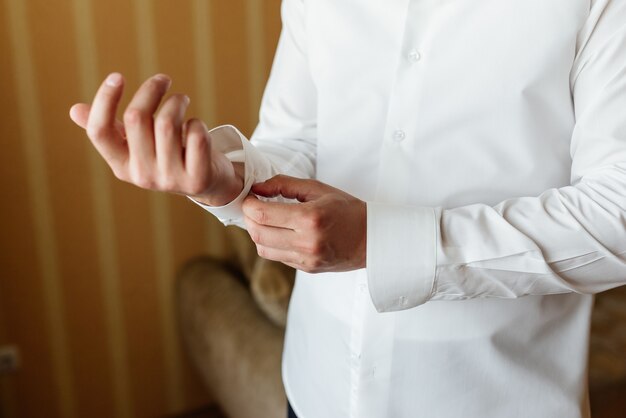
[{"x": 488, "y": 139}]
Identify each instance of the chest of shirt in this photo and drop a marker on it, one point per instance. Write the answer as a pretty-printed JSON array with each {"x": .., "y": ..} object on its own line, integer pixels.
[
  {"x": 424, "y": 83},
  {"x": 364, "y": 41}
]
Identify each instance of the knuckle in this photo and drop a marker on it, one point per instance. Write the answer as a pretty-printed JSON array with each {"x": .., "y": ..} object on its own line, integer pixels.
[
  {"x": 313, "y": 219},
  {"x": 247, "y": 206},
  {"x": 196, "y": 190},
  {"x": 119, "y": 174},
  {"x": 200, "y": 145},
  {"x": 315, "y": 265},
  {"x": 146, "y": 183},
  {"x": 142, "y": 180},
  {"x": 315, "y": 248},
  {"x": 260, "y": 216},
  {"x": 309, "y": 268},
  {"x": 133, "y": 116},
  {"x": 261, "y": 251},
  {"x": 96, "y": 131},
  {"x": 255, "y": 235},
  {"x": 166, "y": 127},
  {"x": 195, "y": 126},
  {"x": 167, "y": 183}
]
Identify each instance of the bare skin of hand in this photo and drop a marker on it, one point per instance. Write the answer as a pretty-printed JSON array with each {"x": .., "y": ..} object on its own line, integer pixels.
[
  {"x": 325, "y": 232},
  {"x": 157, "y": 150}
]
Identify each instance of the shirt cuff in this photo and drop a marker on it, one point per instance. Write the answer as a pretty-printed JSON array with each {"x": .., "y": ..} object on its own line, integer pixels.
[
  {"x": 401, "y": 255},
  {"x": 228, "y": 140}
]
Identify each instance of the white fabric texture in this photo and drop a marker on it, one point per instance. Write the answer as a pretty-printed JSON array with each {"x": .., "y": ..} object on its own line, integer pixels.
[{"x": 489, "y": 140}]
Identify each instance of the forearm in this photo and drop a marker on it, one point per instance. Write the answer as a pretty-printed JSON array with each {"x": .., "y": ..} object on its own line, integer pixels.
[{"x": 570, "y": 239}]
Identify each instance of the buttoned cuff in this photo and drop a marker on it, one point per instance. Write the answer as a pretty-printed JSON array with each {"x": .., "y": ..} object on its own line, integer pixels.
[
  {"x": 228, "y": 140},
  {"x": 401, "y": 255}
]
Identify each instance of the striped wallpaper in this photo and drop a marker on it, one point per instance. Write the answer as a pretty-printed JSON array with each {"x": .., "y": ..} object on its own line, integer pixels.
[{"x": 87, "y": 262}]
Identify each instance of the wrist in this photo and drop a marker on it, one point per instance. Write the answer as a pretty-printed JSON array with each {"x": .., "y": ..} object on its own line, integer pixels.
[{"x": 225, "y": 191}]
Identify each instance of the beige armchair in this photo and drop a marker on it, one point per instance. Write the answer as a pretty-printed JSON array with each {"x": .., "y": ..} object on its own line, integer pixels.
[{"x": 232, "y": 317}]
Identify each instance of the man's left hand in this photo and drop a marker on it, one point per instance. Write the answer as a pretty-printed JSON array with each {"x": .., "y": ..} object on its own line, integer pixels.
[{"x": 325, "y": 232}]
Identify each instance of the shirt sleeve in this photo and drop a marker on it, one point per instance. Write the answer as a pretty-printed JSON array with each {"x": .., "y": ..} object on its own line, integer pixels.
[
  {"x": 284, "y": 141},
  {"x": 569, "y": 239}
]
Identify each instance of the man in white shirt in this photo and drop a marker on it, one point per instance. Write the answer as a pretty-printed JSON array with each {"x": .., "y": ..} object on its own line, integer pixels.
[{"x": 477, "y": 153}]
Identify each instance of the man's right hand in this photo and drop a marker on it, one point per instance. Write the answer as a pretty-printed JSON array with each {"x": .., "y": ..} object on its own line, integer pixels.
[{"x": 157, "y": 151}]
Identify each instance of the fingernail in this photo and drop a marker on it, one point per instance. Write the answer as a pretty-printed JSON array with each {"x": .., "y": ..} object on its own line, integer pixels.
[
  {"x": 114, "y": 80},
  {"x": 164, "y": 78},
  {"x": 187, "y": 99}
]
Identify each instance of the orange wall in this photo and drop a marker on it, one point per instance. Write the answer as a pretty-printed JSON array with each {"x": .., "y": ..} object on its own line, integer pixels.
[{"x": 87, "y": 262}]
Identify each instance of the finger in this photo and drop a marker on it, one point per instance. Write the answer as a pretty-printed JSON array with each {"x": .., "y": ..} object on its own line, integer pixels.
[
  {"x": 198, "y": 164},
  {"x": 292, "y": 259},
  {"x": 139, "y": 121},
  {"x": 101, "y": 122},
  {"x": 288, "y": 257},
  {"x": 308, "y": 268},
  {"x": 273, "y": 237},
  {"x": 168, "y": 134},
  {"x": 281, "y": 215},
  {"x": 79, "y": 113},
  {"x": 291, "y": 188}
]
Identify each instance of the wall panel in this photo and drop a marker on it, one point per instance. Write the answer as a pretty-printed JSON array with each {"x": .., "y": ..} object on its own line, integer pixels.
[
  {"x": 80, "y": 283},
  {"x": 38, "y": 296},
  {"x": 86, "y": 262}
]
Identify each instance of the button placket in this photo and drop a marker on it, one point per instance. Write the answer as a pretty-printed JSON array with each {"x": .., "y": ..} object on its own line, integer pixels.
[{"x": 400, "y": 124}]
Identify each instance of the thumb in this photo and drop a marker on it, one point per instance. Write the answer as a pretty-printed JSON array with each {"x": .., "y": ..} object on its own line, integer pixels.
[
  {"x": 79, "y": 113},
  {"x": 290, "y": 187}
]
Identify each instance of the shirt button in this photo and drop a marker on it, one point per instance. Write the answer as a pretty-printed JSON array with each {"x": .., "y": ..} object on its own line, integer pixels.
[
  {"x": 414, "y": 56},
  {"x": 399, "y": 136}
]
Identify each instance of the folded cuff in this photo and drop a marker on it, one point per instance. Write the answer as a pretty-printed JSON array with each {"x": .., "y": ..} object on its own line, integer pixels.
[
  {"x": 401, "y": 255},
  {"x": 228, "y": 140}
]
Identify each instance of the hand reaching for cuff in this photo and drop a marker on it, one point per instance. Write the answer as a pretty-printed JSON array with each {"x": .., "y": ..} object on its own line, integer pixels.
[{"x": 325, "y": 232}]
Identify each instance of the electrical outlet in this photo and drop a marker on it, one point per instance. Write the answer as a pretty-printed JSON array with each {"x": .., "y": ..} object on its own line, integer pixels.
[{"x": 9, "y": 359}]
